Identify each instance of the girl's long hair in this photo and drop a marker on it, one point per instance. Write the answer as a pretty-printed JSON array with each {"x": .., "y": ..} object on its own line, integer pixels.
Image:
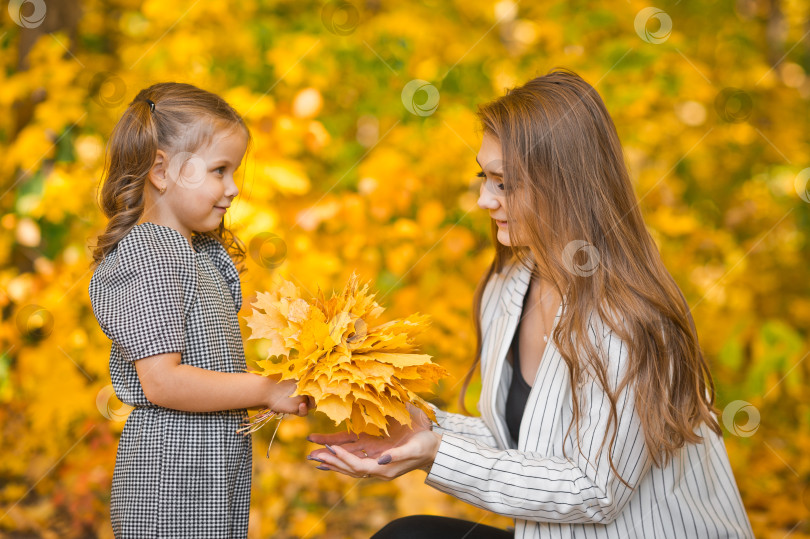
[
  {"x": 569, "y": 195},
  {"x": 185, "y": 119}
]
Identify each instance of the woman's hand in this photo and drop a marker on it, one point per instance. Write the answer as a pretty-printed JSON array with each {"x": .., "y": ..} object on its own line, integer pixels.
[{"x": 404, "y": 449}]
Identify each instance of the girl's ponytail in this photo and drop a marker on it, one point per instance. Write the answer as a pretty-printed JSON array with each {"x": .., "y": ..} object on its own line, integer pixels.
[
  {"x": 171, "y": 116},
  {"x": 130, "y": 154}
]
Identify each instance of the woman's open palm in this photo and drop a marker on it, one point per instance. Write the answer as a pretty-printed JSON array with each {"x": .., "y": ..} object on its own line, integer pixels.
[{"x": 404, "y": 449}]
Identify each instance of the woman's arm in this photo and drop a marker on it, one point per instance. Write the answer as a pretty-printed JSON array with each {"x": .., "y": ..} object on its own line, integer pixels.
[
  {"x": 399, "y": 444},
  {"x": 168, "y": 383},
  {"x": 527, "y": 485},
  {"x": 463, "y": 425}
]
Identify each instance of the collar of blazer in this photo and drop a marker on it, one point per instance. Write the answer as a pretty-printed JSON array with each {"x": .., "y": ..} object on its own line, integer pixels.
[{"x": 511, "y": 285}]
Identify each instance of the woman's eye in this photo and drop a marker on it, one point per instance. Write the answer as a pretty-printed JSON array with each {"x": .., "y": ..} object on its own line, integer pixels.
[
  {"x": 220, "y": 170},
  {"x": 491, "y": 185}
]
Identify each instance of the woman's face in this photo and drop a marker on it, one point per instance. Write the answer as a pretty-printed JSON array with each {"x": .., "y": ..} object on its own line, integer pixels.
[{"x": 492, "y": 195}]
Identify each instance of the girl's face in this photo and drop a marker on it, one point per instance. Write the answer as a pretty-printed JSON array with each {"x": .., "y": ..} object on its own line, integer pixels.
[
  {"x": 492, "y": 196},
  {"x": 201, "y": 185}
]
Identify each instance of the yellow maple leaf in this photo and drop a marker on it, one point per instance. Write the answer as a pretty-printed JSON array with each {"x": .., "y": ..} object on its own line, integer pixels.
[{"x": 356, "y": 372}]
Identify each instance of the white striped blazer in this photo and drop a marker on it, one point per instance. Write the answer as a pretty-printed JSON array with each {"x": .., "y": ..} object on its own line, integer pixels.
[{"x": 553, "y": 496}]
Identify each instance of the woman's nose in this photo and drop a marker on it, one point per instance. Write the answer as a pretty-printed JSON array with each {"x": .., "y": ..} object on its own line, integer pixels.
[{"x": 486, "y": 200}]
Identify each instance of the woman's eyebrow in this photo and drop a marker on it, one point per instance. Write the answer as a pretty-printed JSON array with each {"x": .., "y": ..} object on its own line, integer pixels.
[{"x": 482, "y": 168}]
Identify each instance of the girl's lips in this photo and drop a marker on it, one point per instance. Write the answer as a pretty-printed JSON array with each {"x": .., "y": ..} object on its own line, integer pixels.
[
  {"x": 501, "y": 224},
  {"x": 223, "y": 210}
]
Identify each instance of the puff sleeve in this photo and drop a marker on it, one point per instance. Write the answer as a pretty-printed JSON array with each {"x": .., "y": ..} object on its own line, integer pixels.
[{"x": 140, "y": 295}]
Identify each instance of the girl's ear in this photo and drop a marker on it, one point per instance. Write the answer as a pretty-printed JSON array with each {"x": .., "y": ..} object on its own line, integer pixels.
[{"x": 158, "y": 173}]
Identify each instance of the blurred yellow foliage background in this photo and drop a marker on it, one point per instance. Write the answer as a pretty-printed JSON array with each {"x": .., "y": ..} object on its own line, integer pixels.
[{"x": 712, "y": 112}]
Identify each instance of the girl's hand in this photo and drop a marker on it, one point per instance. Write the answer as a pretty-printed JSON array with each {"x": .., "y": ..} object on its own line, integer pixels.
[
  {"x": 279, "y": 399},
  {"x": 404, "y": 449}
]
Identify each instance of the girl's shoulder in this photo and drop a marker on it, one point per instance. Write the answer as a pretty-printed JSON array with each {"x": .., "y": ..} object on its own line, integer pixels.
[
  {"x": 149, "y": 247},
  {"x": 150, "y": 270},
  {"x": 159, "y": 253}
]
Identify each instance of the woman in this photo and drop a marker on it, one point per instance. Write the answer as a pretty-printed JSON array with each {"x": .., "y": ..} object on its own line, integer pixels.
[{"x": 597, "y": 406}]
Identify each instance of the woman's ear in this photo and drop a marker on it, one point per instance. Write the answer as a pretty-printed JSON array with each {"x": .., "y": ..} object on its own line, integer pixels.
[{"x": 158, "y": 173}]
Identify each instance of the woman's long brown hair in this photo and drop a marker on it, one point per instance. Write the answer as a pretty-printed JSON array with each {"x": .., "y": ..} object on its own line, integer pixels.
[
  {"x": 566, "y": 181},
  {"x": 184, "y": 120}
]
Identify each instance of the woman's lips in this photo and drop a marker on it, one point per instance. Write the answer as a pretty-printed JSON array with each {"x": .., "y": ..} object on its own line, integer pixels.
[{"x": 501, "y": 224}]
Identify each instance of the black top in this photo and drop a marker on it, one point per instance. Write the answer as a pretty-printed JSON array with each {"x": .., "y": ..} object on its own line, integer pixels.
[{"x": 519, "y": 388}]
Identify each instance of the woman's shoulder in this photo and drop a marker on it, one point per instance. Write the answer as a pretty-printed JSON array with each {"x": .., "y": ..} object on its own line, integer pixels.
[
  {"x": 509, "y": 269},
  {"x": 513, "y": 275}
]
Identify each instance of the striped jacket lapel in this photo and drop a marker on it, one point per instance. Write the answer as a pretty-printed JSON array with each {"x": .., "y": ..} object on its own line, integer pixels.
[{"x": 499, "y": 330}]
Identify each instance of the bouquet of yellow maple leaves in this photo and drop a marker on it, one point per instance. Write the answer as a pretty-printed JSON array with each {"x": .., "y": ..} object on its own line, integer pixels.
[{"x": 355, "y": 371}]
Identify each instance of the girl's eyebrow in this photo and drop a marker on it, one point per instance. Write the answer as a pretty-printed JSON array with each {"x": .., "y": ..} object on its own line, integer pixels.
[{"x": 220, "y": 162}]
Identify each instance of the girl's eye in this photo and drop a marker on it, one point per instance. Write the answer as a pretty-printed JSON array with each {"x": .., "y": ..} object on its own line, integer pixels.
[
  {"x": 220, "y": 170},
  {"x": 481, "y": 175}
]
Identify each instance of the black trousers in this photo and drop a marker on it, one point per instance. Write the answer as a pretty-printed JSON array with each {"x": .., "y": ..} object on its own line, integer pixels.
[{"x": 433, "y": 527}]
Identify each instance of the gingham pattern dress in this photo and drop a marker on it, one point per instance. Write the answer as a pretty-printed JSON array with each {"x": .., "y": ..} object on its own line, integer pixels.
[{"x": 177, "y": 474}]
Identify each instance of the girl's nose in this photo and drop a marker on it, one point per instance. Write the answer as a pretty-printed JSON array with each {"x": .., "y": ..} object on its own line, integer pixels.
[
  {"x": 486, "y": 200},
  {"x": 231, "y": 190}
]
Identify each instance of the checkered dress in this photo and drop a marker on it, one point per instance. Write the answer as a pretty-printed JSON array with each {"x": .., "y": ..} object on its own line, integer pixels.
[{"x": 177, "y": 474}]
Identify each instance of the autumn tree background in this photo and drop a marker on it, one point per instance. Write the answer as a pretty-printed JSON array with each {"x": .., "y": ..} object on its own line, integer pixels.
[{"x": 364, "y": 132}]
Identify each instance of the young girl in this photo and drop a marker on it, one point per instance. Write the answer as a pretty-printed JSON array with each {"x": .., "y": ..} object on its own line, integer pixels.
[
  {"x": 167, "y": 294},
  {"x": 597, "y": 405}
]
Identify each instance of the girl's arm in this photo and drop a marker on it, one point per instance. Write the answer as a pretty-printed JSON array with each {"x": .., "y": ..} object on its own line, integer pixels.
[{"x": 168, "y": 383}]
